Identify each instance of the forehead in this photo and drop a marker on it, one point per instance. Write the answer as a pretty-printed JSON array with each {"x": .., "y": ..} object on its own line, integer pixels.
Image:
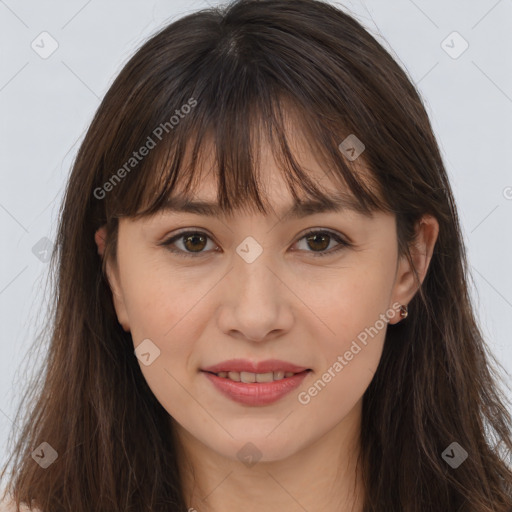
[
  {"x": 204, "y": 198},
  {"x": 211, "y": 173}
]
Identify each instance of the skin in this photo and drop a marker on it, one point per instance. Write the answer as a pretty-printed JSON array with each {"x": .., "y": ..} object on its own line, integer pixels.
[{"x": 287, "y": 304}]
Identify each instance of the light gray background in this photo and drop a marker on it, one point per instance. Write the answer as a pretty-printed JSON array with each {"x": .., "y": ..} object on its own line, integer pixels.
[{"x": 47, "y": 104}]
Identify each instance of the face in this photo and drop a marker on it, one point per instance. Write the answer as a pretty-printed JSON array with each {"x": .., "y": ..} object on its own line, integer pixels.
[{"x": 260, "y": 289}]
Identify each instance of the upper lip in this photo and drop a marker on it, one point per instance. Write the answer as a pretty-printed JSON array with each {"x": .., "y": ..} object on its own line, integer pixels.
[{"x": 244, "y": 365}]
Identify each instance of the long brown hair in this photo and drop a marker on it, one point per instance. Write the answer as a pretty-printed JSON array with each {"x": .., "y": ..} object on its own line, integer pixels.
[{"x": 225, "y": 73}]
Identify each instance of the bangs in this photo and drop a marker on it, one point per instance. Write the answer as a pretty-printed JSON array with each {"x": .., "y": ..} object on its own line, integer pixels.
[
  {"x": 232, "y": 136},
  {"x": 243, "y": 86}
]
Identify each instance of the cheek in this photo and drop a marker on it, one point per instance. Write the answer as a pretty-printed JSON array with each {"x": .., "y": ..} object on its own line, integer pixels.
[
  {"x": 169, "y": 310},
  {"x": 160, "y": 299},
  {"x": 168, "y": 318},
  {"x": 352, "y": 344},
  {"x": 350, "y": 361},
  {"x": 348, "y": 301}
]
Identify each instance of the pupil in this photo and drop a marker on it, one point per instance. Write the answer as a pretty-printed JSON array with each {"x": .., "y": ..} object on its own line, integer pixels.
[
  {"x": 314, "y": 237},
  {"x": 191, "y": 237}
]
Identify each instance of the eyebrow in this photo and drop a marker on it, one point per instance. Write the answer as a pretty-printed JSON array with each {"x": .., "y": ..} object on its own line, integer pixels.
[{"x": 336, "y": 203}]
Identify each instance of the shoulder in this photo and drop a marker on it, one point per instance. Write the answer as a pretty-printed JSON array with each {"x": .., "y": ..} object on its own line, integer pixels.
[{"x": 7, "y": 505}]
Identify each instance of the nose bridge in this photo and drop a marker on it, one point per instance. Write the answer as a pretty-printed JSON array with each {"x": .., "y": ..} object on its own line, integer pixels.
[
  {"x": 252, "y": 304},
  {"x": 252, "y": 270}
]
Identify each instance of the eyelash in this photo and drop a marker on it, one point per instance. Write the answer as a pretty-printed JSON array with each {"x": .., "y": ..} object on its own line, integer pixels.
[{"x": 342, "y": 243}]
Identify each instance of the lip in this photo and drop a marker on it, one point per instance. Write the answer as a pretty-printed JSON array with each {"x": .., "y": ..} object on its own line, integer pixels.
[
  {"x": 244, "y": 365},
  {"x": 256, "y": 393}
]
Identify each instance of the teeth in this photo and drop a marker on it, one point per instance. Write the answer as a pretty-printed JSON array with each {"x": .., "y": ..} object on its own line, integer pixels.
[
  {"x": 249, "y": 377},
  {"x": 264, "y": 377}
]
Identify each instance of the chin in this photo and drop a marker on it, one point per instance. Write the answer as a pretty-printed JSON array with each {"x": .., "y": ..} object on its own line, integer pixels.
[{"x": 256, "y": 444}]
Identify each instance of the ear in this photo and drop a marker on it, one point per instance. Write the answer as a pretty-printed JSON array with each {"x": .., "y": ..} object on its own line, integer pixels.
[
  {"x": 405, "y": 287},
  {"x": 112, "y": 271}
]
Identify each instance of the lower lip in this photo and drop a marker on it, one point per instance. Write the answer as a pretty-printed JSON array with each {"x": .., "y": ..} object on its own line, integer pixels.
[{"x": 256, "y": 393}]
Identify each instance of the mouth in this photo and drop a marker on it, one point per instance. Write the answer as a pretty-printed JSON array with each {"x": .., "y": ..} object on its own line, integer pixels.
[
  {"x": 250, "y": 377},
  {"x": 255, "y": 383}
]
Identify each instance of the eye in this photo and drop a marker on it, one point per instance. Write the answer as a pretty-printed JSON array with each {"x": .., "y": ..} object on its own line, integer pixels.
[
  {"x": 193, "y": 243},
  {"x": 321, "y": 239}
]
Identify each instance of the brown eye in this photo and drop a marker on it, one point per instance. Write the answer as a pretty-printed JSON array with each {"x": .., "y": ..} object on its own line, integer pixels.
[
  {"x": 194, "y": 242},
  {"x": 318, "y": 241}
]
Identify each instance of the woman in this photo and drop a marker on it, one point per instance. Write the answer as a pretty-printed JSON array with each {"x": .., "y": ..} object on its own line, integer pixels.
[{"x": 318, "y": 348}]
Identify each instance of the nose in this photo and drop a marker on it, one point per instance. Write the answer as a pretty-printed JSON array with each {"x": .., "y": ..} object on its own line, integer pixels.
[{"x": 255, "y": 303}]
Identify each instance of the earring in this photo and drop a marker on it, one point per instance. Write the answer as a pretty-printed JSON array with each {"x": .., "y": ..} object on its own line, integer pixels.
[{"x": 403, "y": 311}]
